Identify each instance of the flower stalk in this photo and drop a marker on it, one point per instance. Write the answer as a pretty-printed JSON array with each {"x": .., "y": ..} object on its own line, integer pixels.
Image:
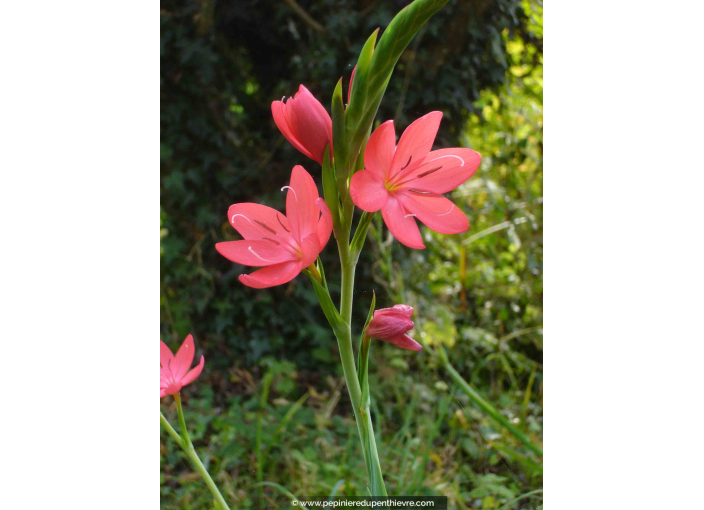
[
  {"x": 184, "y": 441},
  {"x": 361, "y": 409},
  {"x": 344, "y": 145}
]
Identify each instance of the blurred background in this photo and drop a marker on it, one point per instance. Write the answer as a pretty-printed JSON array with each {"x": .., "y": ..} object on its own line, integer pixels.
[{"x": 271, "y": 404}]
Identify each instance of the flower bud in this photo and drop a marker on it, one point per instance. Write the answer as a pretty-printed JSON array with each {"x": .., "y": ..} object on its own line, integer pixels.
[
  {"x": 391, "y": 325},
  {"x": 305, "y": 123}
]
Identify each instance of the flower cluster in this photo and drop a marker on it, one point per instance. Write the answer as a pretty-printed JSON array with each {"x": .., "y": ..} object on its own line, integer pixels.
[{"x": 404, "y": 181}]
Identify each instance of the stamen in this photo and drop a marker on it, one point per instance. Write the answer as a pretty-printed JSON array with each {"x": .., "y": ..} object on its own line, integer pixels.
[
  {"x": 281, "y": 223},
  {"x": 232, "y": 220},
  {"x": 294, "y": 191},
  {"x": 256, "y": 255},
  {"x": 448, "y": 212},
  {"x": 266, "y": 227},
  {"x": 420, "y": 192},
  {"x": 407, "y": 215},
  {"x": 406, "y": 165},
  {"x": 272, "y": 240},
  {"x": 429, "y": 172}
]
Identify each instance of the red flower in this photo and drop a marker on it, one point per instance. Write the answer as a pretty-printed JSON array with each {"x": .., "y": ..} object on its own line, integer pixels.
[
  {"x": 175, "y": 373},
  {"x": 282, "y": 245},
  {"x": 391, "y": 325},
  {"x": 408, "y": 181},
  {"x": 305, "y": 123}
]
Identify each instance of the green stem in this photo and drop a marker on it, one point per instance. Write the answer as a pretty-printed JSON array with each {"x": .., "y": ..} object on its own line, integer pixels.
[
  {"x": 171, "y": 430},
  {"x": 376, "y": 463},
  {"x": 484, "y": 405},
  {"x": 195, "y": 460},
  {"x": 344, "y": 341},
  {"x": 347, "y": 296}
]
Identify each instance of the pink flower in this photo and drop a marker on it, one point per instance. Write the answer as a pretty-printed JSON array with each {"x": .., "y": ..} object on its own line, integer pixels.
[
  {"x": 174, "y": 370},
  {"x": 391, "y": 324},
  {"x": 305, "y": 123},
  {"x": 282, "y": 245},
  {"x": 408, "y": 181}
]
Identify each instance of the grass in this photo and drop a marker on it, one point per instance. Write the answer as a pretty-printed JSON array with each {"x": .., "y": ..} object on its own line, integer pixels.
[{"x": 277, "y": 437}]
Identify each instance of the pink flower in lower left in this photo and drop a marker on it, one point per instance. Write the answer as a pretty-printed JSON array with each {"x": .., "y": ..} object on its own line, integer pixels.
[{"x": 175, "y": 373}]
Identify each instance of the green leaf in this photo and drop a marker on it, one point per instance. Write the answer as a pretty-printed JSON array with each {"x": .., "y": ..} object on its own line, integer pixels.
[
  {"x": 321, "y": 270},
  {"x": 331, "y": 313},
  {"x": 330, "y": 190},
  {"x": 363, "y": 353},
  {"x": 360, "y": 84},
  {"x": 339, "y": 141},
  {"x": 374, "y": 69}
]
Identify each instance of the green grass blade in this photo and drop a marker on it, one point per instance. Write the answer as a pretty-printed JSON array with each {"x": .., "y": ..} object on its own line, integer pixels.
[
  {"x": 522, "y": 496},
  {"x": 483, "y": 404},
  {"x": 283, "y": 490}
]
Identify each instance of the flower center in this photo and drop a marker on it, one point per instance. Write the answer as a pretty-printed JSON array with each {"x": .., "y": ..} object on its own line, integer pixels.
[{"x": 390, "y": 186}]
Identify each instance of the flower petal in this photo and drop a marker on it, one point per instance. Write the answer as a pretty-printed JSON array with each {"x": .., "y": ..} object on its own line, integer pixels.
[
  {"x": 255, "y": 253},
  {"x": 301, "y": 211},
  {"x": 166, "y": 355},
  {"x": 406, "y": 342},
  {"x": 165, "y": 375},
  {"x": 385, "y": 327},
  {"x": 310, "y": 247},
  {"x": 414, "y": 145},
  {"x": 398, "y": 310},
  {"x": 324, "y": 223},
  {"x": 256, "y": 221},
  {"x": 436, "y": 211},
  {"x": 368, "y": 191},
  {"x": 184, "y": 358},
  {"x": 443, "y": 170},
  {"x": 162, "y": 392},
  {"x": 401, "y": 224},
  {"x": 271, "y": 276},
  {"x": 380, "y": 150},
  {"x": 193, "y": 373},
  {"x": 310, "y": 123},
  {"x": 278, "y": 111}
]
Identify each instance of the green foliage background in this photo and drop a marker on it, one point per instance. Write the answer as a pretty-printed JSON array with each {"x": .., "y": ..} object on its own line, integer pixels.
[{"x": 479, "y": 293}]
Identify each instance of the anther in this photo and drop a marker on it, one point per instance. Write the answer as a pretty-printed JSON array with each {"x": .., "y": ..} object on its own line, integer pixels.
[
  {"x": 281, "y": 223},
  {"x": 429, "y": 172},
  {"x": 266, "y": 227},
  {"x": 406, "y": 165}
]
